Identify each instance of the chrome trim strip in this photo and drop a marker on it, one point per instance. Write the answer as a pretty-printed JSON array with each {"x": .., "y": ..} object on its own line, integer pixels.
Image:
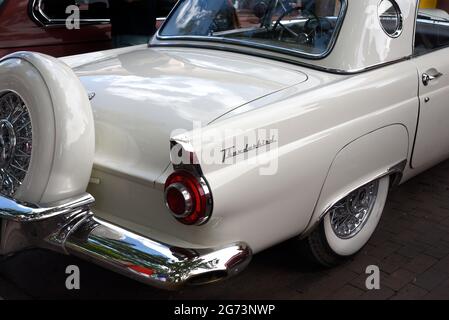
[
  {"x": 396, "y": 169},
  {"x": 282, "y": 58},
  {"x": 414, "y": 26},
  {"x": 61, "y": 22},
  {"x": 40, "y": 15},
  {"x": 70, "y": 227}
]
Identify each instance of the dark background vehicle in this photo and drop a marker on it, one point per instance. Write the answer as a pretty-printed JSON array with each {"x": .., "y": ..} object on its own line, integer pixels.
[{"x": 39, "y": 25}]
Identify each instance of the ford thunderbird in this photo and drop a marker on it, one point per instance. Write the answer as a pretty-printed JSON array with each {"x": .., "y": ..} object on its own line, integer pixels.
[{"x": 240, "y": 125}]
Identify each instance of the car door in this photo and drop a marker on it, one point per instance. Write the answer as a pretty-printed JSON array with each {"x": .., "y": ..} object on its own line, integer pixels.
[{"x": 431, "y": 59}]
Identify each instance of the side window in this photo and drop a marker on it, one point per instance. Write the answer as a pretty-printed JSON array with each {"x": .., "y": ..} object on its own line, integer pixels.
[
  {"x": 432, "y": 26},
  {"x": 53, "y": 12}
]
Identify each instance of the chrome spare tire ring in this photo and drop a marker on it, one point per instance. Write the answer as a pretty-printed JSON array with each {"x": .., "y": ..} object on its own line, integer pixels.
[
  {"x": 349, "y": 215},
  {"x": 15, "y": 142}
]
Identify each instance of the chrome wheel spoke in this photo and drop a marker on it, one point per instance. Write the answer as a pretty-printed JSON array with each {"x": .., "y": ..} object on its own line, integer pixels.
[
  {"x": 18, "y": 116},
  {"x": 11, "y": 175},
  {"x": 349, "y": 215},
  {"x": 15, "y": 142}
]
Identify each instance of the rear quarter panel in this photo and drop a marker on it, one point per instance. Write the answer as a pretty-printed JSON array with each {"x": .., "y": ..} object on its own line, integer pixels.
[{"x": 312, "y": 127}]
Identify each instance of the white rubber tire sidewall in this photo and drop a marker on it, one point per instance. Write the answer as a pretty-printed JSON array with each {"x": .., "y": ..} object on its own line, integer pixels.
[
  {"x": 348, "y": 247},
  {"x": 62, "y": 126},
  {"x": 33, "y": 91}
]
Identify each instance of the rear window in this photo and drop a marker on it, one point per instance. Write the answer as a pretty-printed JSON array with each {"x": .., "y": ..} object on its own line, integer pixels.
[{"x": 304, "y": 27}]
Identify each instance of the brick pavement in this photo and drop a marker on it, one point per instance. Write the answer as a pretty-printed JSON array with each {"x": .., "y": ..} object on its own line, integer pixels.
[{"x": 411, "y": 247}]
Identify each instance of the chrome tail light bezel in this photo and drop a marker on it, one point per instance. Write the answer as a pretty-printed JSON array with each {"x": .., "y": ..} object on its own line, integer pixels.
[{"x": 194, "y": 170}]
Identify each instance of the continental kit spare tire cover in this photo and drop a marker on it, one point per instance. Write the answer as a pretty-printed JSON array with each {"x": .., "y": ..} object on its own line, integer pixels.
[{"x": 47, "y": 136}]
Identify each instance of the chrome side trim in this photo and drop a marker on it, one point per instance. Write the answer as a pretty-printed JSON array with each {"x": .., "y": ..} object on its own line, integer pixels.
[
  {"x": 268, "y": 55},
  {"x": 71, "y": 228},
  {"x": 397, "y": 169},
  {"x": 40, "y": 17}
]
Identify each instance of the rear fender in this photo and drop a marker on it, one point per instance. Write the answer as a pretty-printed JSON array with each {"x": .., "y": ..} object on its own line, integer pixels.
[{"x": 370, "y": 157}]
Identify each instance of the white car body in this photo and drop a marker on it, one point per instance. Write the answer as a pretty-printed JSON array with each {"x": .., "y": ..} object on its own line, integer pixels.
[{"x": 360, "y": 113}]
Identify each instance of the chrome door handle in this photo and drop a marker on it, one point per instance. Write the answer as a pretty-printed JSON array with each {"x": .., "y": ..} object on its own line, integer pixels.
[{"x": 430, "y": 75}]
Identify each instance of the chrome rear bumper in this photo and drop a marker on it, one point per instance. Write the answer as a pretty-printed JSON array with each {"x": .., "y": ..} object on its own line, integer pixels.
[{"x": 70, "y": 227}]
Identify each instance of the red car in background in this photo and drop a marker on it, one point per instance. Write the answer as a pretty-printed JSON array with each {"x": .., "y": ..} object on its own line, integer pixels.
[{"x": 40, "y": 25}]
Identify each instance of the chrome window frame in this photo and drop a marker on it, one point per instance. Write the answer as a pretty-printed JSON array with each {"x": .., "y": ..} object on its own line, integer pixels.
[
  {"x": 40, "y": 17},
  {"x": 415, "y": 54},
  {"x": 250, "y": 44}
]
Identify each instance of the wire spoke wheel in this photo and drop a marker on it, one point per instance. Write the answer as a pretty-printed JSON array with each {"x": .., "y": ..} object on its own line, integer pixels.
[
  {"x": 349, "y": 215},
  {"x": 349, "y": 224},
  {"x": 15, "y": 142}
]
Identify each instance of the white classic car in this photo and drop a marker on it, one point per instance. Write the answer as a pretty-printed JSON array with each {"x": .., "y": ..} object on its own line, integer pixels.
[{"x": 242, "y": 124}]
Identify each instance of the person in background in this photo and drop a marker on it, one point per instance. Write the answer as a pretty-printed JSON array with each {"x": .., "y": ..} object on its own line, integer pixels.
[{"x": 133, "y": 22}]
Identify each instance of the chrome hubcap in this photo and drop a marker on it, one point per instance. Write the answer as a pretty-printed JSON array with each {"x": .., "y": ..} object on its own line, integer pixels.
[
  {"x": 349, "y": 215},
  {"x": 15, "y": 142}
]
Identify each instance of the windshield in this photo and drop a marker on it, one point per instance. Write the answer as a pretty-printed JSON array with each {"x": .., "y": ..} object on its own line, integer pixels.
[{"x": 305, "y": 27}]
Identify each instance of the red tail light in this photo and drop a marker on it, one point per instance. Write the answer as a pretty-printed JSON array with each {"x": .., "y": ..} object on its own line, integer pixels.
[{"x": 188, "y": 198}]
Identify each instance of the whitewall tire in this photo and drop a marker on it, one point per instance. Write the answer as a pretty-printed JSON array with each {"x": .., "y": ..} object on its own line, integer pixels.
[
  {"x": 349, "y": 224},
  {"x": 43, "y": 95}
]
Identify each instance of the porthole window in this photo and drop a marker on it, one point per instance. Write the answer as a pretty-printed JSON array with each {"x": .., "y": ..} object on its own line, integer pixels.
[{"x": 390, "y": 18}]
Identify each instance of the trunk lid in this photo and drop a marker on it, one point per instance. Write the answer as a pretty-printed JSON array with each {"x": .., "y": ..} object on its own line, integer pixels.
[{"x": 142, "y": 95}]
